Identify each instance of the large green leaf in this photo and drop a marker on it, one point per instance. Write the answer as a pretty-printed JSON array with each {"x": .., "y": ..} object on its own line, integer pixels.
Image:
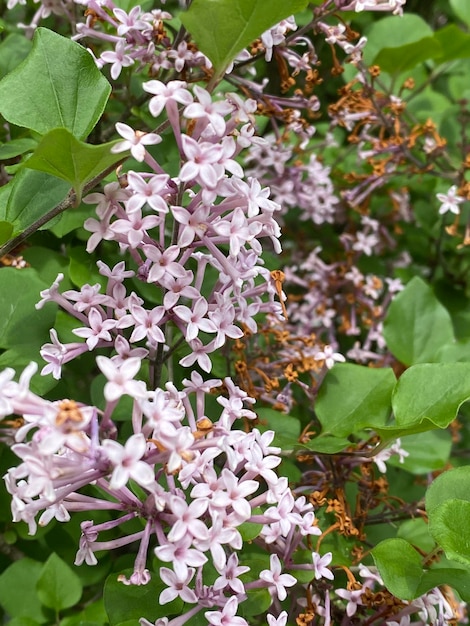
[
  {"x": 427, "y": 452},
  {"x": 58, "y": 586},
  {"x": 13, "y": 49},
  {"x": 16, "y": 147},
  {"x": 451, "y": 485},
  {"x": 286, "y": 427},
  {"x": 448, "y": 509},
  {"x": 394, "y": 31},
  {"x": 33, "y": 195},
  {"x": 431, "y": 391},
  {"x": 457, "y": 578},
  {"x": 354, "y": 397},
  {"x": 57, "y": 85},
  {"x": 60, "y": 154},
  {"x": 448, "y": 524},
  {"x": 397, "y": 60},
  {"x": 462, "y": 9},
  {"x": 455, "y": 44},
  {"x": 20, "y": 323},
  {"x": 400, "y": 567},
  {"x": 417, "y": 324},
  {"x": 23, "y": 329},
  {"x": 124, "y": 603},
  {"x": 18, "y": 596},
  {"x": 222, "y": 28}
]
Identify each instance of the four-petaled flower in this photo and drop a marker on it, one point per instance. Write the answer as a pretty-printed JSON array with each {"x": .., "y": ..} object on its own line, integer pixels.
[{"x": 277, "y": 581}]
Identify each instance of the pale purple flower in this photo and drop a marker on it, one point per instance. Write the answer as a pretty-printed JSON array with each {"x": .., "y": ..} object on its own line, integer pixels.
[
  {"x": 174, "y": 90},
  {"x": 277, "y": 581},
  {"x": 108, "y": 201},
  {"x": 121, "y": 378},
  {"x": 229, "y": 576},
  {"x": 133, "y": 230},
  {"x": 88, "y": 296},
  {"x": 195, "y": 319},
  {"x": 329, "y": 356},
  {"x": 177, "y": 586},
  {"x": 320, "y": 565},
  {"x": 164, "y": 262},
  {"x": 199, "y": 354},
  {"x": 280, "y": 620},
  {"x": 354, "y": 599},
  {"x": 181, "y": 555},
  {"x": 127, "y": 462},
  {"x": 214, "y": 112},
  {"x": 118, "y": 58},
  {"x": 187, "y": 518},
  {"x": 146, "y": 324},
  {"x": 450, "y": 201},
  {"x": 238, "y": 231},
  {"x": 226, "y": 617},
  {"x": 100, "y": 230},
  {"x": 148, "y": 191},
  {"x": 202, "y": 162},
  {"x": 134, "y": 140},
  {"x": 50, "y": 294},
  {"x": 129, "y": 21},
  {"x": 99, "y": 329}
]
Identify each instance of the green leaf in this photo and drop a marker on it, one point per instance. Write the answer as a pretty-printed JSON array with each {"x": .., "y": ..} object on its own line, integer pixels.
[
  {"x": 22, "y": 621},
  {"x": 131, "y": 602},
  {"x": 18, "y": 596},
  {"x": 325, "y": 444},
  {"x": 397, "y": 60},
  {"x": 33, "y": 194},
  {"x": 462, "y": 9},
  {"x": 19, "y": 358},
  {"x": 249, "y": 530},
  {"x": 6, "y": 230},
  {"x": 61, "y": 154},
  {"x": 82, "y": 268},
  {"x": 257, "y": 602},
  {"x": 58, "y": 586},
  {"x": 16, "y": 147},
  {"x": 13, "y": 49},
  {"x": 354, "y": 397},
  {"x": 431, "y": 391},
  {"x": 400, "y": 567},
  {"x": 417, "y": 324},
  {"x": 71, "y": 220},
  {"x": 451, "y": 485},
  {"x": 416, "y": 532},
  {"x": 57, "y": 86},
  {"x": 20, "y": 323},
  {"x": 455, "y": 44},
  {"x": 222, "y": 28},
  {"x": 286, "y": 427},
  {"x": 402, "y": 31},
  {"x": 428, "y": 451},
  {"x": 455, "y": 351},
  {"x": 448, "y": 524},
  {"x": 457, "y": 578}
]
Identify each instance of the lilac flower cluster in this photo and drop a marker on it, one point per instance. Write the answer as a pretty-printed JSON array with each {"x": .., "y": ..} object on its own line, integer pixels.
[
  {"x": 199, "y": 245},
  {"x": 193, "y": 481},
  {"x": 198, "y": 483}
]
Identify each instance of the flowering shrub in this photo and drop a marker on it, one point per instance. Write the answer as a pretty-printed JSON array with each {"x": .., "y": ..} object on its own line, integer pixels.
[{"x": 236, "y": 237}]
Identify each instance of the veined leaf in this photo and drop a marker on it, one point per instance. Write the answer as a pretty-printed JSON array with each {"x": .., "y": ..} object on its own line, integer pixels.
[
  {"x": 57, "y": 86},
  {"x": 59, "y": 153},
  {"x": 222, "y": 28}
]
